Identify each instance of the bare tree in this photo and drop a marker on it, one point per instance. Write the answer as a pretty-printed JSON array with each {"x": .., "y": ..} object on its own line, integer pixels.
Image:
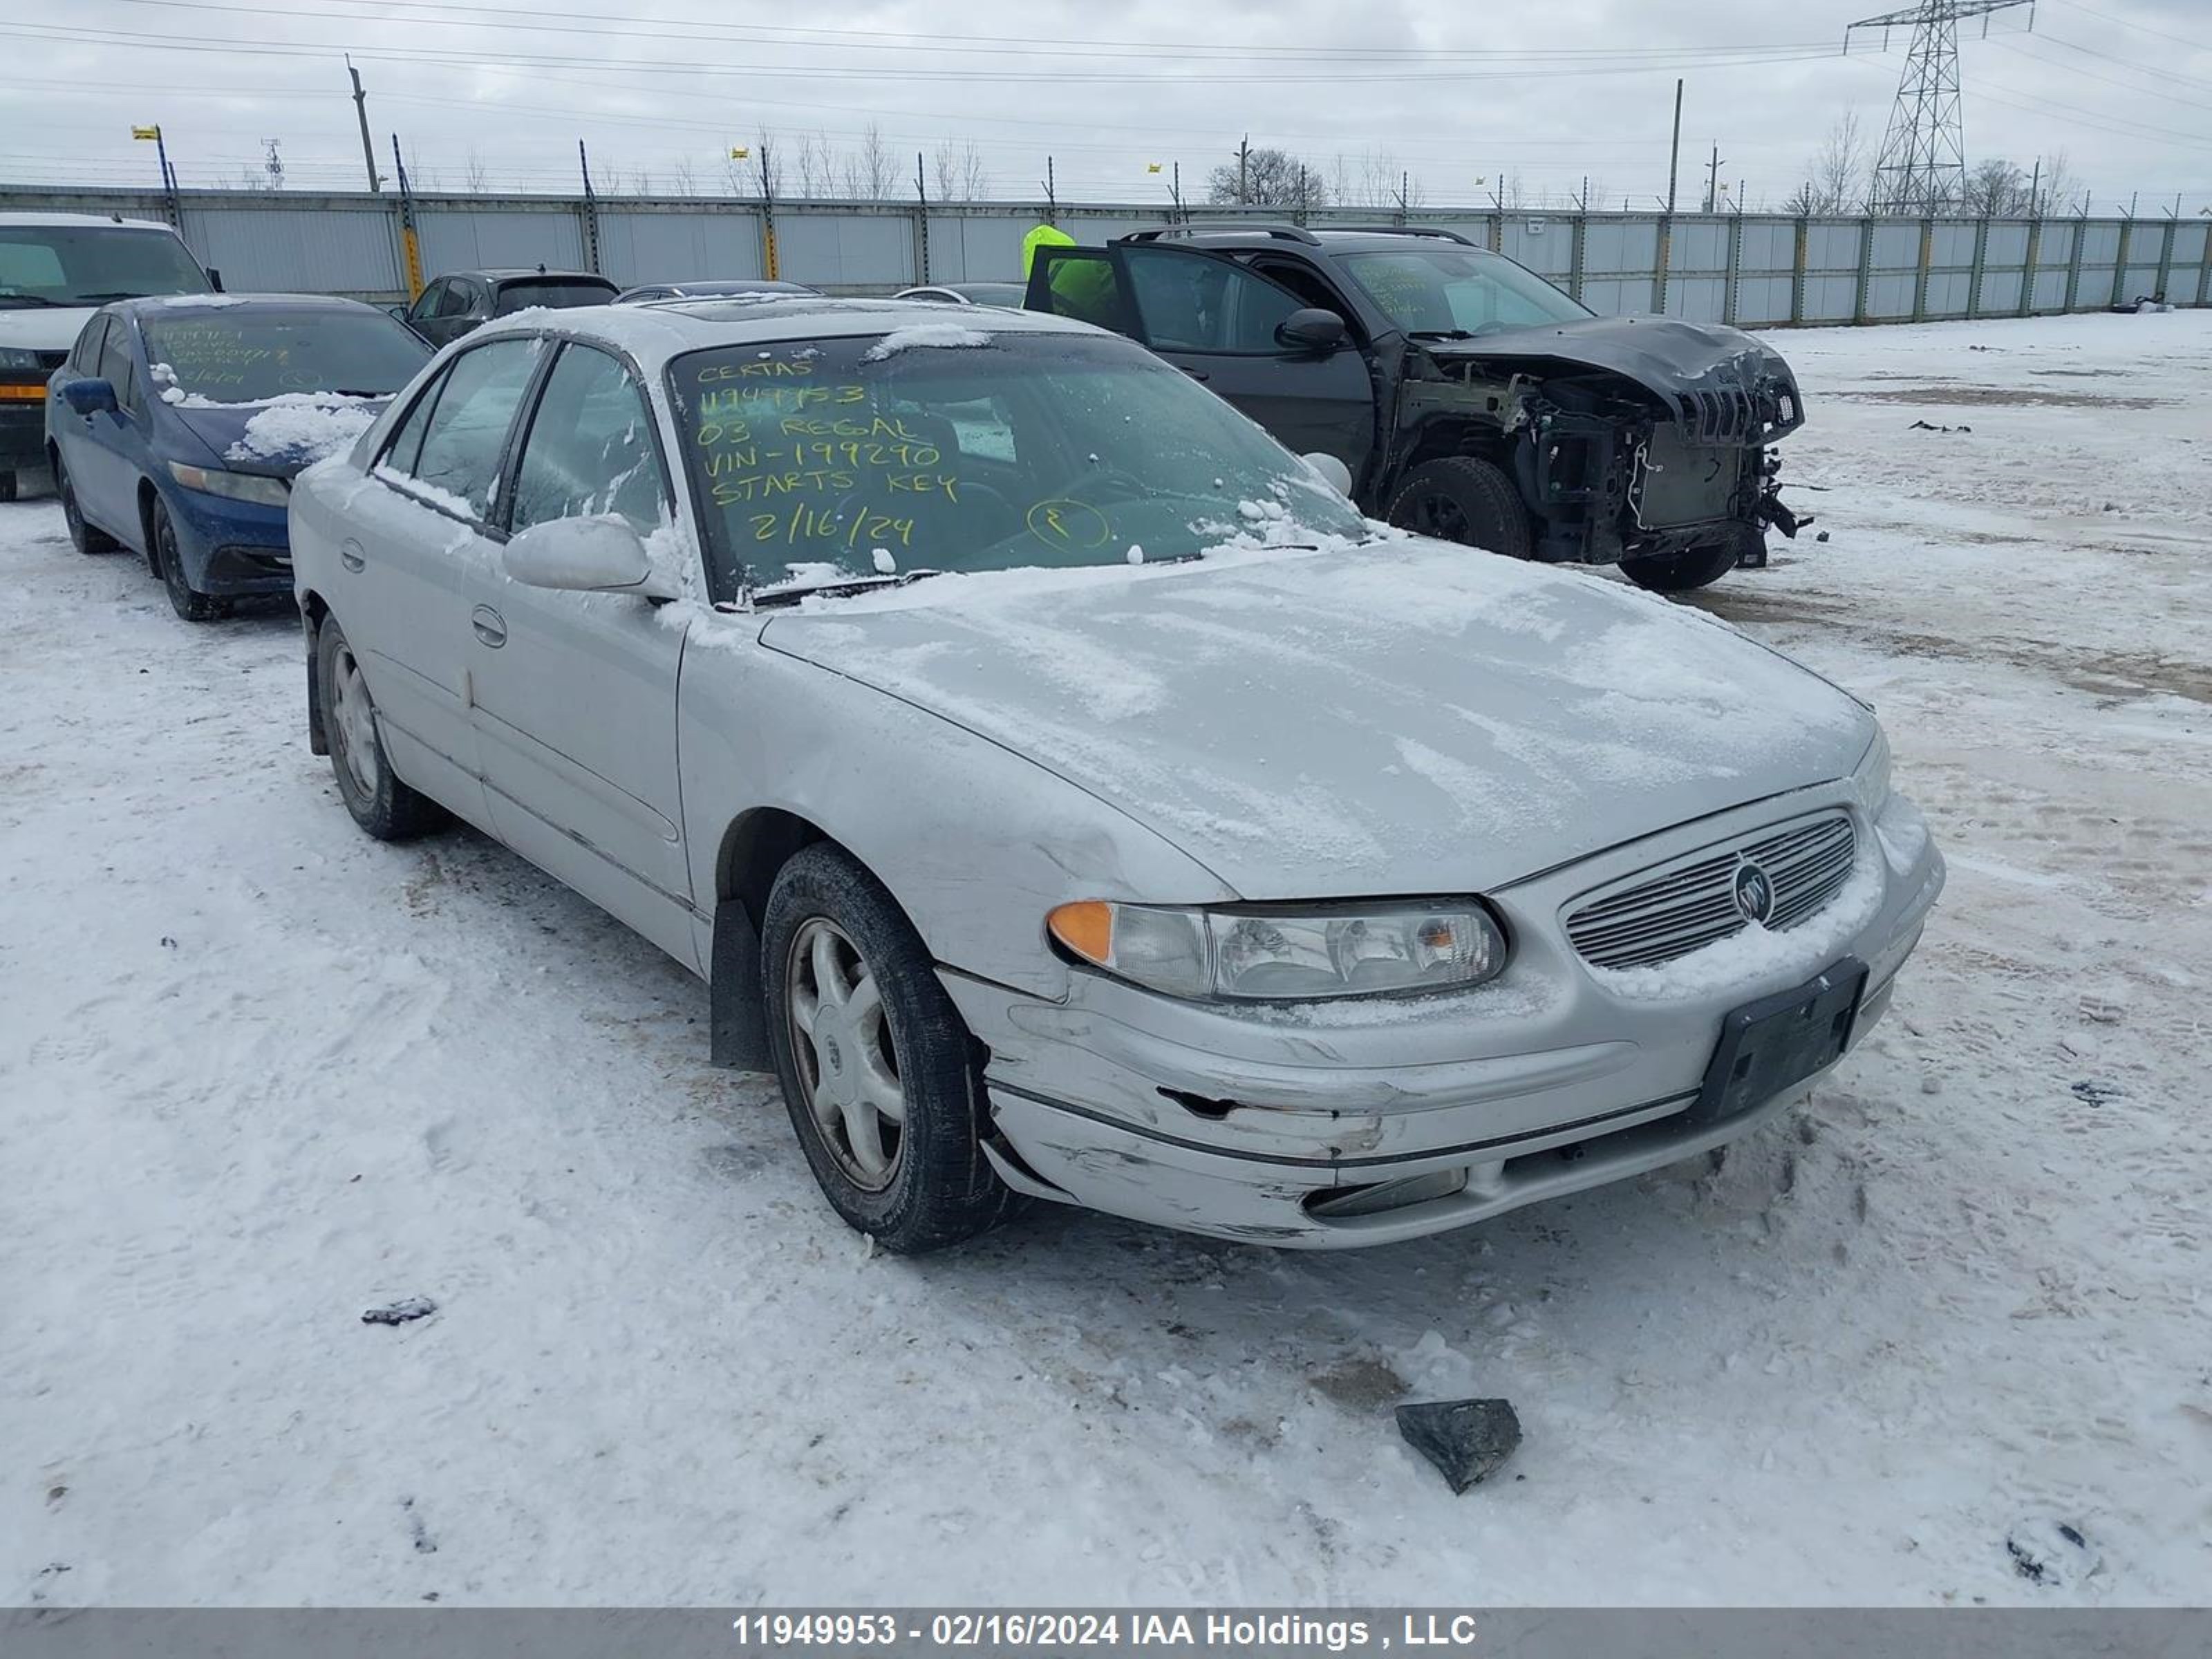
[
  {"x": 1512, "y": 193},
  {"x": 1838, "y": 175},
  {"x": 814, "y": 165},
  {"x": 958, "y": 172},
  {"x": 474, "y": 170},
  {"x": 686, "y": 181},
  {"x": 2056, "y": 186},
  {"x": 1271, "y": 178},
  {"x": 871, "y": 172},
  {"x": 1994, "y": 189}
]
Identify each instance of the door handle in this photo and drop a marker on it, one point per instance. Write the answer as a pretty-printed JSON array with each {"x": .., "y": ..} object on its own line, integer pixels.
[
  {"x": 490, "y": 626},
  {"x": 1194, "y": 373},
  {"x": 350, "y": 556}
]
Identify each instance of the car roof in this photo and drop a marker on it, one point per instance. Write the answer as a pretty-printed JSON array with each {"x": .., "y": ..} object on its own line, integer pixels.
[
  {"x": 533, "y": 274},
  {"x": 655, "y": 330},
  {"x": 186, "y": 304},
  {"x": 1319, "y": 239},
  {"x": 77, "y": 221}
]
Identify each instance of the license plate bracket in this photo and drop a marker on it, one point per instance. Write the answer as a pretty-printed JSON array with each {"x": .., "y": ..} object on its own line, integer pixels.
[{"x": 1781, "y": 1040}]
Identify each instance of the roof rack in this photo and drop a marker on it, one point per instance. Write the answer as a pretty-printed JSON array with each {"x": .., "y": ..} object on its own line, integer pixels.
[
  {"x": 1225, "y": 227},
  {"x": 1408, "y": 230}
]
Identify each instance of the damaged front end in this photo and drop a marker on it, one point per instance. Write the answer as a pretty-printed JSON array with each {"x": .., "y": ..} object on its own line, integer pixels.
[{"x": 1653, "y": 437}]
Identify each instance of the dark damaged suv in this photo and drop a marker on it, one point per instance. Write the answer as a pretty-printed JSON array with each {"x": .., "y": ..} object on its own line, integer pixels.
[{"x": 1469, "y": 399}]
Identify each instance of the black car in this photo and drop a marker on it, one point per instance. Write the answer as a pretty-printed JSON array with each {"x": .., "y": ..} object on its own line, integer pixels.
[
  {"x": 452, "y": 305},
  {"x": 1469, "y": 397}
]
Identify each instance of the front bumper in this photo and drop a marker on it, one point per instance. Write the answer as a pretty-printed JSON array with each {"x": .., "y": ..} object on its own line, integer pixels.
[
  {"x": 23, "y": 436},
  {"x": 1367, "y": 1123},
  {"x": 232, "y": 549}
]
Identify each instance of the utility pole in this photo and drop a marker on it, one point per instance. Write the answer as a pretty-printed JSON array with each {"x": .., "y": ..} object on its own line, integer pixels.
[
  {"x": 361, "y": 113},
  {"x": 1243, "y": 165},
  {"x": 1921, "y": 168},
  {"x": 1713, "y": 182},
  {"x": 1674, "y": 156}
]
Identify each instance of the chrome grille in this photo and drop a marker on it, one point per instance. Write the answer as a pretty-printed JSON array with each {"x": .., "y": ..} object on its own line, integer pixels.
[{"x": 1693, "y": 904}]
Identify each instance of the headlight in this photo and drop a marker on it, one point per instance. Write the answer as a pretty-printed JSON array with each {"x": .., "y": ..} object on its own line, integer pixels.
[
  {"x": 1872, "y": 774},
  {"x": 15, "y": 360},
  {"x": 238, "y": 486},
  {"x": 1267, "y": 955}
]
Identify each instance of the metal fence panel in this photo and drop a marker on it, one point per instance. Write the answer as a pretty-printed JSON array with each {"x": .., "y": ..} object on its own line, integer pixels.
[
  {"x": 846, "y": 249},
  {"x": 297, "y": 250},
  {"x": 644, "y": 246},
  {"x": 974, "y": 248},
  {"x": 479, "y": 238},
  {"x": 1544, "y": 243}
]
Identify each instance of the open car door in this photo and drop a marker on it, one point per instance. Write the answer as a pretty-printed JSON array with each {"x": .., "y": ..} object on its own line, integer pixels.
[{"x": 1227, "y": 327}]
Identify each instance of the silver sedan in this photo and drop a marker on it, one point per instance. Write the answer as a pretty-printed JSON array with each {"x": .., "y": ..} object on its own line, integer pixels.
[{"x": 1068, "y": 796}]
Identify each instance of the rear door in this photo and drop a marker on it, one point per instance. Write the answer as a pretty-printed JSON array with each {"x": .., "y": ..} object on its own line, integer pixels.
[
  {"x": 414, "y": 538},
  {"x": 1217, "y": 321},
  {"x": 576, "y": 693}
]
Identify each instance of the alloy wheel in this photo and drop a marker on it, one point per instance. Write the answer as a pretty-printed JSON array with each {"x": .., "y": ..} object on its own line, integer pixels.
[
  {"x": 847, "y": 1065},
  {"x": 353, "y": 722}
]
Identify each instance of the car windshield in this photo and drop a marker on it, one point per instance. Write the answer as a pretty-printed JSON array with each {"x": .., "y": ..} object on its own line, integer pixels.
[
  {"x": 520, "y": 296},
  {"x": 242, "y": 353},
  {"x": 92, "y": 264},
  {"x": 1458, "y": 290},
  {"x": 940, "y": 447}
]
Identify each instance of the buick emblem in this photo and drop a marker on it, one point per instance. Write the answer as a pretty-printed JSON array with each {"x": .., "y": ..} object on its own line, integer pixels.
[{"x": 1754, "y": 893}]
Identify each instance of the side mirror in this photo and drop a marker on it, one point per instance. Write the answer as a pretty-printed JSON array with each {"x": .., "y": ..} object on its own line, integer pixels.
[
  {"x": 398, "y": 314},
  {"x": 88, "y": 396},
  {"x": 598, "y": 555},
  {"x": 1333, "y": 473},
  {"x": 1312, "y": 330},
  {"x": 215, "y": 279}
]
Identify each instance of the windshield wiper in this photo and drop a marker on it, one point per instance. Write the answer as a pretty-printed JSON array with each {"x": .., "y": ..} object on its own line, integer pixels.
[
  {"x": 1439, "y": 334},
  {"x": 855, "y": 584},
  {"x": 27, "y": 299},
  {"x": 102, "y": 298}
]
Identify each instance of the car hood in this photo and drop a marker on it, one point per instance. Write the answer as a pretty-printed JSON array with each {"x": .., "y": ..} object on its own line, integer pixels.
[
  {"x": 43, "y": 328},
  {"x": 1402, "y": 718},
  {"x": 277, "y": 438},
  {"x": 1663, "y": 354}
]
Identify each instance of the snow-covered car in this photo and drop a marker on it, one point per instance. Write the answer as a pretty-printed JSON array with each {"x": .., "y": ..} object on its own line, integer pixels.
[
  {"x": 55, "y": 268},
  {"x": 175, "y": 425},
  {"x": 1067, "y": 792}
]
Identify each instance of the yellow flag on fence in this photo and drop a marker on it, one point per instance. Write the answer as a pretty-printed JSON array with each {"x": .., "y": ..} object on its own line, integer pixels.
[
  {"x": 739, "y": 152},
  {"x": 145, "y": 132},
  {"x": 1152, "y": 166}
]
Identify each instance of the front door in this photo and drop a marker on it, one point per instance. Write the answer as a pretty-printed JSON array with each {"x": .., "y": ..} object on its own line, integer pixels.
[
  {"x": 108, "y": 464},
  {"x": 412, "y": 538},
  {"x": 1217, "y": 320},
  {"x": 576, "y": 693}
]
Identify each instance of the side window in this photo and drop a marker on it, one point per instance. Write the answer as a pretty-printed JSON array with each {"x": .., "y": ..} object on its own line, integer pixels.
[
  {"x": 425, "y": 302},
  {"x": 1308, "y": 286},
  {"x": 1083, "y": 285},
  {"x": 84, "y": 357},
  {"x": 407, "y": 440},
  {"x": 590, "y": 446},
  {"x": 467, "y": 429},
  {"x": 1192, "y": 302},
  {"x": 115, "y": 363},
  {"x": 454, "y": 301}
]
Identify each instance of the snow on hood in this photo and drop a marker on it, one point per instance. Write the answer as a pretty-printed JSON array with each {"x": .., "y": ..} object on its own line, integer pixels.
[
  {"x": 302, "y": 431},
  {"x": 1403, "y": 717}
]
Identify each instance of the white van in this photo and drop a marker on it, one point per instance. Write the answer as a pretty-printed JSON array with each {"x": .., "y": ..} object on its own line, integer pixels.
[{"x": 55, "y": 269}]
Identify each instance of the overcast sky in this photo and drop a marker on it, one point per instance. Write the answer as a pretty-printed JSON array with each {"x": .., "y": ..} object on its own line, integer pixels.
[{"x": 1456, "y": 92}]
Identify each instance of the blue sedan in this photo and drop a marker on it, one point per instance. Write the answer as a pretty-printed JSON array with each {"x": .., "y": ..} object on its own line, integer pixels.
[{"x": 176, "y": 425}]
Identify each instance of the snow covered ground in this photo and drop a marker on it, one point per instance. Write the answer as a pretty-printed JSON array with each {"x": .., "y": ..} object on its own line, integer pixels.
[{"x": 258, "y": 1073}]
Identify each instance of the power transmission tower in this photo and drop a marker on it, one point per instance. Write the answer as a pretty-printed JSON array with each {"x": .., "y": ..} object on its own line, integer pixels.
[{"x": 1922, "y": 169}]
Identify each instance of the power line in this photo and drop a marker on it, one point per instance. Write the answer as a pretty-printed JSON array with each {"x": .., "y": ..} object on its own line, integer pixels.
[{"x": 2126, "y": 23}]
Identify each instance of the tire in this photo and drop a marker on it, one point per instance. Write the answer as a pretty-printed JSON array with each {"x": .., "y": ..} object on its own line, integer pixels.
[
  {"x": 380, "y": 804},
  {"x": 7, "y": 484},
  {"x": 893, "y": 1041},
  {"x": 1461, "y": 499},
  {"x": 84, "y": 536},
  {"x": 1682, "y": 573},
  {"x": 184, "y": 599}
]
